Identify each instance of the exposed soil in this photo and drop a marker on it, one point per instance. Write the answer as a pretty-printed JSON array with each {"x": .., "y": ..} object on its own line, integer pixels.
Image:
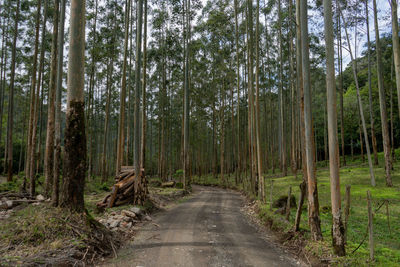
[{"x": 209, "y": 229}]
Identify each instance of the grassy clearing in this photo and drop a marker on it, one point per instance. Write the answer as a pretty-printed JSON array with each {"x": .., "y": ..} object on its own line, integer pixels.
[{"x": 356, "y": 174}]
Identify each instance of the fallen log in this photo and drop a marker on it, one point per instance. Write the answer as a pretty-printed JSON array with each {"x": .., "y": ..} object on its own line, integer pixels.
[{"x": 168, "y": 184}]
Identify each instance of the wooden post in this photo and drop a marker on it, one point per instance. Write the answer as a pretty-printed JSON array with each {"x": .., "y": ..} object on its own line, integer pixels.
[
  {"x": 370, "y": 227},
  {"x": 300, "y": 206},
  {"x": 270, "y": 194},
  {"x": 388, "y": 216},
  {"x": 288, "y": 203},
  {"x": 347, "y": 209}
]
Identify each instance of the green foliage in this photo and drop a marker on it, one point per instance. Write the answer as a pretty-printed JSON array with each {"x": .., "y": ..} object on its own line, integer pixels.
[{"x": 356, "y": 174}]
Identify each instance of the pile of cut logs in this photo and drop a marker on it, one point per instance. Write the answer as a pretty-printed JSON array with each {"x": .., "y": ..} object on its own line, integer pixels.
[{"x": 122, "y": 191}]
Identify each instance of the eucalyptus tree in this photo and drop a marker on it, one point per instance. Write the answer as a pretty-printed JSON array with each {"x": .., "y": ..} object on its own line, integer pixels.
[
  {"x": 10, "y": 120},
  {"x": 121, "y": 122},
  {"x": 75, "y": 138},
  {"x": 382, "y": 102},
  {"x": 57, "y": 115},
  {"x": 140, "y": 182},
  {"x": 372, "y": 120},
  {"x": 33, "y": 87},
  {"x": 338, "y": 240},
  {"x": 313, "y": 206},
  {"x": 49, "y": 152},
  {"x": 360, "y": 105},
  {"x": 396, "y": 46}
]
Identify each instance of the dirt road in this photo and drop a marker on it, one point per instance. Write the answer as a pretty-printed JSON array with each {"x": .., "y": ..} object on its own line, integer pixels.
[{"x": 207, "y": 230}]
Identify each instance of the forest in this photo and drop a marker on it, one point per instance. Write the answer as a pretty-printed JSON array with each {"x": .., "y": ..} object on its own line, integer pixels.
[{"x": 111, "y": 110}]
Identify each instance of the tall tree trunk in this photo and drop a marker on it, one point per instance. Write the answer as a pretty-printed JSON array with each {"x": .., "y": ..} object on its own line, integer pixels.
[
  {"x": 34, "y": 157},
  {"x": 186, "y": 102},
  {"x": 313, "y": 212},
  {"x": 10, "y": 121},
  {"x": 261, "y": 187},
  {"x": 90, "y": 116},
  {"x": 121, "y": 122},
  {"x": 338, "y": 240},
  {"x": 57, "y": 144},
  {"x": 144, "y": 105},
  {"x": 33, "y": 87},
  {"x": 282, "y": 139},
  {"x": 353, "y": 60},
  {"x": 140, "y": 182},
  {"x": 340, "y": 67},
  {"x": 300, "y": 99},
  {"x": 396, "y": 47},
  {"x": 292, "y": 90},
  {"x": 75, "y": 138},
  {"x": 382, "y": 102},
  {"x": 222, "y": 134},
  {"x": 49, "y": 152},
  {"x": 371, "y": 116}
]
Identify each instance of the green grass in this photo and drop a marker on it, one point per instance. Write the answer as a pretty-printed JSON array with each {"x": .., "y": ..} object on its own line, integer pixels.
[{"x": 356, "y": 174}]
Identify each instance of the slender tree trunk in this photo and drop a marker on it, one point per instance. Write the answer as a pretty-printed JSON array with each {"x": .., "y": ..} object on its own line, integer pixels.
[
  {"x": 396, "y": 47},
  {"x": 57, "y": 149},
  {"x": 282, "y": 139},
  {"x": 292, "y": 90},
  {"x": 340, "y": 66},
  {"x": 75, "y": 138},
  {"x": 338, "y": 240},
  {"x": 391, "y": 114},
  {"x": 372, "y": 121},
  {"x": 33, "y": 87},
  {"x": 382, "y": 102},
  {"x": 10, "y": 121},
  {"x": 371, "y": 170},
  {"x": 49, "y": 153},
  {"x": 222, "y": 135},
  {"x": 121, "y": 122},
  {"x": 90, "y": 116},
  {"x": 313, "y": 213},
  {"x": 300, "y": 99},
  {"x": 144, "y": 105},
  {"x": 140, "y": 183},
  {"x": 261, "y": 187},
  {"x": 186, "y": 102}
]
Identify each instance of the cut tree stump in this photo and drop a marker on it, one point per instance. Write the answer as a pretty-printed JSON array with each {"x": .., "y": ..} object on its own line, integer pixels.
[{"x": 122, "y": 191}]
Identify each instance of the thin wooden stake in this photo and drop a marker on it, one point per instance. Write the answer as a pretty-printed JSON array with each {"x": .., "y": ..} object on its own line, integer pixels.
[
  {"x": 388, "y": 215},
  {"x": 270, "y": 194},
  {"x": 288, "y": 203},
  {"x": 347, "y": 209},
  {"x": 370, "y": 227}
]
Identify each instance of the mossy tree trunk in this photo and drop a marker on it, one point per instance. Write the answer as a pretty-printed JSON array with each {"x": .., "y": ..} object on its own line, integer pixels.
[{"x": 75, "y": 137}]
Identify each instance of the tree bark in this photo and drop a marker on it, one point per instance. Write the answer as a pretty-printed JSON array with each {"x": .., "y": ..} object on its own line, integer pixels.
[
  {"x": 57, "y": 144},
  {"x": 140, "y": 181},
  {"x": 144, "y": 105},
  {"x": 396, "y": 47},
  {"x": 49, "y": 152},
  {"x": 338, "y": 240},
  {"x": 313, "y": 213},
  {"x": 121, "y": 122},
  {"x": 75, "y": 138}
]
